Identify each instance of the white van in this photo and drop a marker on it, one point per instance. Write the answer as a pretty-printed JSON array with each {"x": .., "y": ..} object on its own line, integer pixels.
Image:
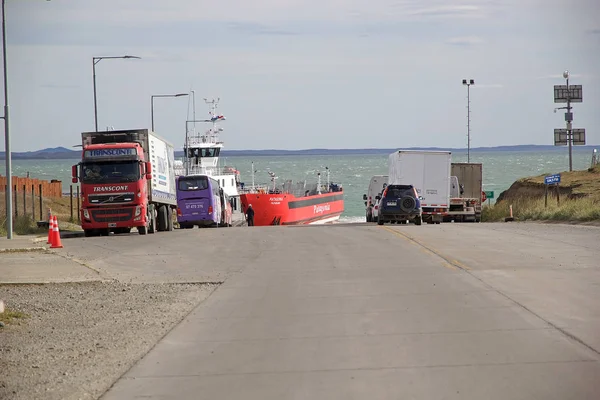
[{"x": 376, "y": 186}]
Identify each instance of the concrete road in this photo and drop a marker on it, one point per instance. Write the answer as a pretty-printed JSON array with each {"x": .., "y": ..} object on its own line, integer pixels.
[{"x": 469, "y": 311}]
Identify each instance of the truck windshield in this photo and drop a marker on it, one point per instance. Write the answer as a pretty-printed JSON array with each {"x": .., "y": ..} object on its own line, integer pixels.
[
  {"x": 193, "y": 183},
  {"x": 110, "y": 172}
]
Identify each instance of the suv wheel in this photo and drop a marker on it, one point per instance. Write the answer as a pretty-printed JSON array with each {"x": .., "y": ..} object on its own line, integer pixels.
[
  {"x": 418, "y": 221},
  {"x": 379, "y": 220},
  {"x": 407, "y": 204}
]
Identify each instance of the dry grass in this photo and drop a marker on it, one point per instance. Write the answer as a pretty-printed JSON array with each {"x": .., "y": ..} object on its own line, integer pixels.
[
  {"x": 26, "y": 224},
  {"x": 9, "y": 315},
  {"x": 583, "y": 183},
  {"x": 570, "y": 210}
]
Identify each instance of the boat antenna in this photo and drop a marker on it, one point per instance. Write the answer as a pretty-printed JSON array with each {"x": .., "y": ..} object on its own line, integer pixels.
[{"x": 253, "y": 171}]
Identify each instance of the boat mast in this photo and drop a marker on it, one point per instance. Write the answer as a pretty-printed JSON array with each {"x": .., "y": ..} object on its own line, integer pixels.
[{"x": 253, "y": 189}]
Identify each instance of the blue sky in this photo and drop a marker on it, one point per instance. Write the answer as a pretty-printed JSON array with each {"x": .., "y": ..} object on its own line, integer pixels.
[{"x": 295, "y": 74}]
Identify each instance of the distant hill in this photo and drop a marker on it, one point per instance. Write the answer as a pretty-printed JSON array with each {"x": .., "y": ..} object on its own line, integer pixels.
[{"x": 62, "y": 153}]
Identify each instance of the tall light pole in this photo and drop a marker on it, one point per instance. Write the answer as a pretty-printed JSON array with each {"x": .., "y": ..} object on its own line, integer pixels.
[
  {"x": 468, "y": 84},
  {"x": 96, "y": 60},
  {"x": 161, "y": 95},
  {"x": 7, "y": 151}
]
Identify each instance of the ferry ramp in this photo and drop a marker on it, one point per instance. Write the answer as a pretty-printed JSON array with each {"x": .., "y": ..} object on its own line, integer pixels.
[{"x": 451, "y": 311}]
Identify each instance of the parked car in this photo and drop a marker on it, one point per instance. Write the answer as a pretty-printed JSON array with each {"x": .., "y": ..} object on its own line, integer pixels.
[{"x": 400, "y": 203}]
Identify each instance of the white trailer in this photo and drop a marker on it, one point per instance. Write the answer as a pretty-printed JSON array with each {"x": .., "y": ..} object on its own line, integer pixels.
[{"x": 429, "y": 173}]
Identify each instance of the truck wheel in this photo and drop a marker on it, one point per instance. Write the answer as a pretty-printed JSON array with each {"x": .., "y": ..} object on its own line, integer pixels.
[
  {"x": 152, "y": 225},
  {"x": 379, "y": 220},
  {"x": 88, "y": 233},
  {"x": 418, "y": 221},
  {"x": 169, "y": 219},
  {"x": 142, "y": 230},
  {"x": 162, "y": 219}
]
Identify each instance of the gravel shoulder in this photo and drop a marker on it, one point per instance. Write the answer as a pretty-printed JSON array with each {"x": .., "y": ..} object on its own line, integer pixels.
[{"x": 79, "y": 338}]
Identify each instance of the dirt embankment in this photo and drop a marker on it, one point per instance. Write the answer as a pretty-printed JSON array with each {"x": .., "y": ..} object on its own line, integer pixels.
[{"x": 573, "y": 185}]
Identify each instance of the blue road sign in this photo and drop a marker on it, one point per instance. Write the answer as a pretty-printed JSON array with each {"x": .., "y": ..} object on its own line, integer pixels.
[{"x": 550, "y": 179}]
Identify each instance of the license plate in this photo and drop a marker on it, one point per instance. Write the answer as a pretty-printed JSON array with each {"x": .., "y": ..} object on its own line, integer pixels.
[
  {"x": 112, "y": 225},
  {"x": 391, "y": 203}
]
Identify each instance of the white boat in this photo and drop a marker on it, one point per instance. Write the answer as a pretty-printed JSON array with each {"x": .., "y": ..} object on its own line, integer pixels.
[{"x": 201, "y": 156}]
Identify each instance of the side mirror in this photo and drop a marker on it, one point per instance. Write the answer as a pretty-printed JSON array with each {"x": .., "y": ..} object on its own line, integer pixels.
[
  {"x": 74, "y": 174},
  {"x": 364, "y": 197},
  {"x": 378, "y": 197},
  {"x": 148, "y": 170}
]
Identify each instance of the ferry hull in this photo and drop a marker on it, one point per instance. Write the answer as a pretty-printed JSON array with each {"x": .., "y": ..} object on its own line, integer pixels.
[{"x": 287, "y": 209}]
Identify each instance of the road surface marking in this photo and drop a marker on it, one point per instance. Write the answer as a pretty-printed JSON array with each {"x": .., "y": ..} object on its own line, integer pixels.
[{"x": 449, "y": 263}]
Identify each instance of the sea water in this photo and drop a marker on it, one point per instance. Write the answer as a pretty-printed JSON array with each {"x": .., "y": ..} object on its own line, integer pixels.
[{"x": 353, "y": 172}]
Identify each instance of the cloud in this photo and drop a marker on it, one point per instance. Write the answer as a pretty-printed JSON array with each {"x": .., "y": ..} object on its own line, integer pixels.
[
  {"x": 465, "y": 41},
  {"x": 488, "y": 86},
  {"x": 560, "y": 76}
]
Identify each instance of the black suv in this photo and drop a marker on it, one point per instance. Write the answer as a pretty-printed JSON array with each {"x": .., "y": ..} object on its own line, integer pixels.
[{"x": 400, "y": 203}]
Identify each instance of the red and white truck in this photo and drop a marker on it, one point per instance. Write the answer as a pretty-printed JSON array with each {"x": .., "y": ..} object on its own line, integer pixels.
[
  {"x": 466, "y": 192},
  {"x": 127, "y": 181}
]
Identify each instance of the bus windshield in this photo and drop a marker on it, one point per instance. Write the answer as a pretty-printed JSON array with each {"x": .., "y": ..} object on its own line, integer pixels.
[
  {"x": 191, "y": 183},
  {"x": 110, "y": 172}
]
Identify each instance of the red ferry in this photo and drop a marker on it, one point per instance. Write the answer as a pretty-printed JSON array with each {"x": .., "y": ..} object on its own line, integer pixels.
[{"x": 294, "y": 204}]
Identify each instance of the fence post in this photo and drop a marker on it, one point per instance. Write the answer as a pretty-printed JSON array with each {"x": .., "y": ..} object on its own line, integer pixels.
[
  {"x": 16, "y": 201},
  {"x": 78, "y": 212},
  {"x": 33, "y": 202},
  {"x": 24, "y": 200},
  {"x": 41, "y": 204},
  {"x": 71, "y": 199}
]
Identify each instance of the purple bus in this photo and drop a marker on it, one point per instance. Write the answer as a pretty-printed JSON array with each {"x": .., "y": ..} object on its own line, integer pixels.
[{"x": 198, "y": 201}]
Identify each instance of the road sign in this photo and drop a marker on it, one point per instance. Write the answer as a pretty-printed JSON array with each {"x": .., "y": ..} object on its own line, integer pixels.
[
  {"x": 552, "y": 179},
  {"x": 561, "y": 137},
  {"x": 578, "y": 137},
  {"x": 575, "y": 93},
  {"x": 489, "y": 194}
]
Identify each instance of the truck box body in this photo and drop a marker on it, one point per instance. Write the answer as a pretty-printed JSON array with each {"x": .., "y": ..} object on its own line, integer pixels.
[
  {"x": 429, "y": 173},
  {"x": 470, "y": 175},
  {"x": 160, "y": 153},
  {"x": 468, "y": 179}
]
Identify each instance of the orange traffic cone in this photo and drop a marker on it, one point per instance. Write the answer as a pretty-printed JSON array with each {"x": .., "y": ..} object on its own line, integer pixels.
[
  {"x": 56, "y": 242},
  {"x": 50, "y": 230}
]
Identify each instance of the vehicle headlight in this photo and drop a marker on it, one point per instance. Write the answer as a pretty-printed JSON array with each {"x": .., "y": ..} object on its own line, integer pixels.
[
  {"x": 86, "y": 213},
  {"x": 138, "y": 211}
]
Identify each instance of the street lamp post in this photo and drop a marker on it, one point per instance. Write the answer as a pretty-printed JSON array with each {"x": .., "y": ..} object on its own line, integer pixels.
[
  {"x": 468, "y": 84},
  {"x": 7, "y": 151},
  {"x": 96, "y": 60},
  {"x": 161, "y": 95}
]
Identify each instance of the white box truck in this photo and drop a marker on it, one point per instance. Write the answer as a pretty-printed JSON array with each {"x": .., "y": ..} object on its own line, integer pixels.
[{"x": 429, "y": 173}]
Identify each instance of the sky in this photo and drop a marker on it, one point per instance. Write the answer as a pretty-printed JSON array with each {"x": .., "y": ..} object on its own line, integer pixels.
[{"x": 298, "y": 74}]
